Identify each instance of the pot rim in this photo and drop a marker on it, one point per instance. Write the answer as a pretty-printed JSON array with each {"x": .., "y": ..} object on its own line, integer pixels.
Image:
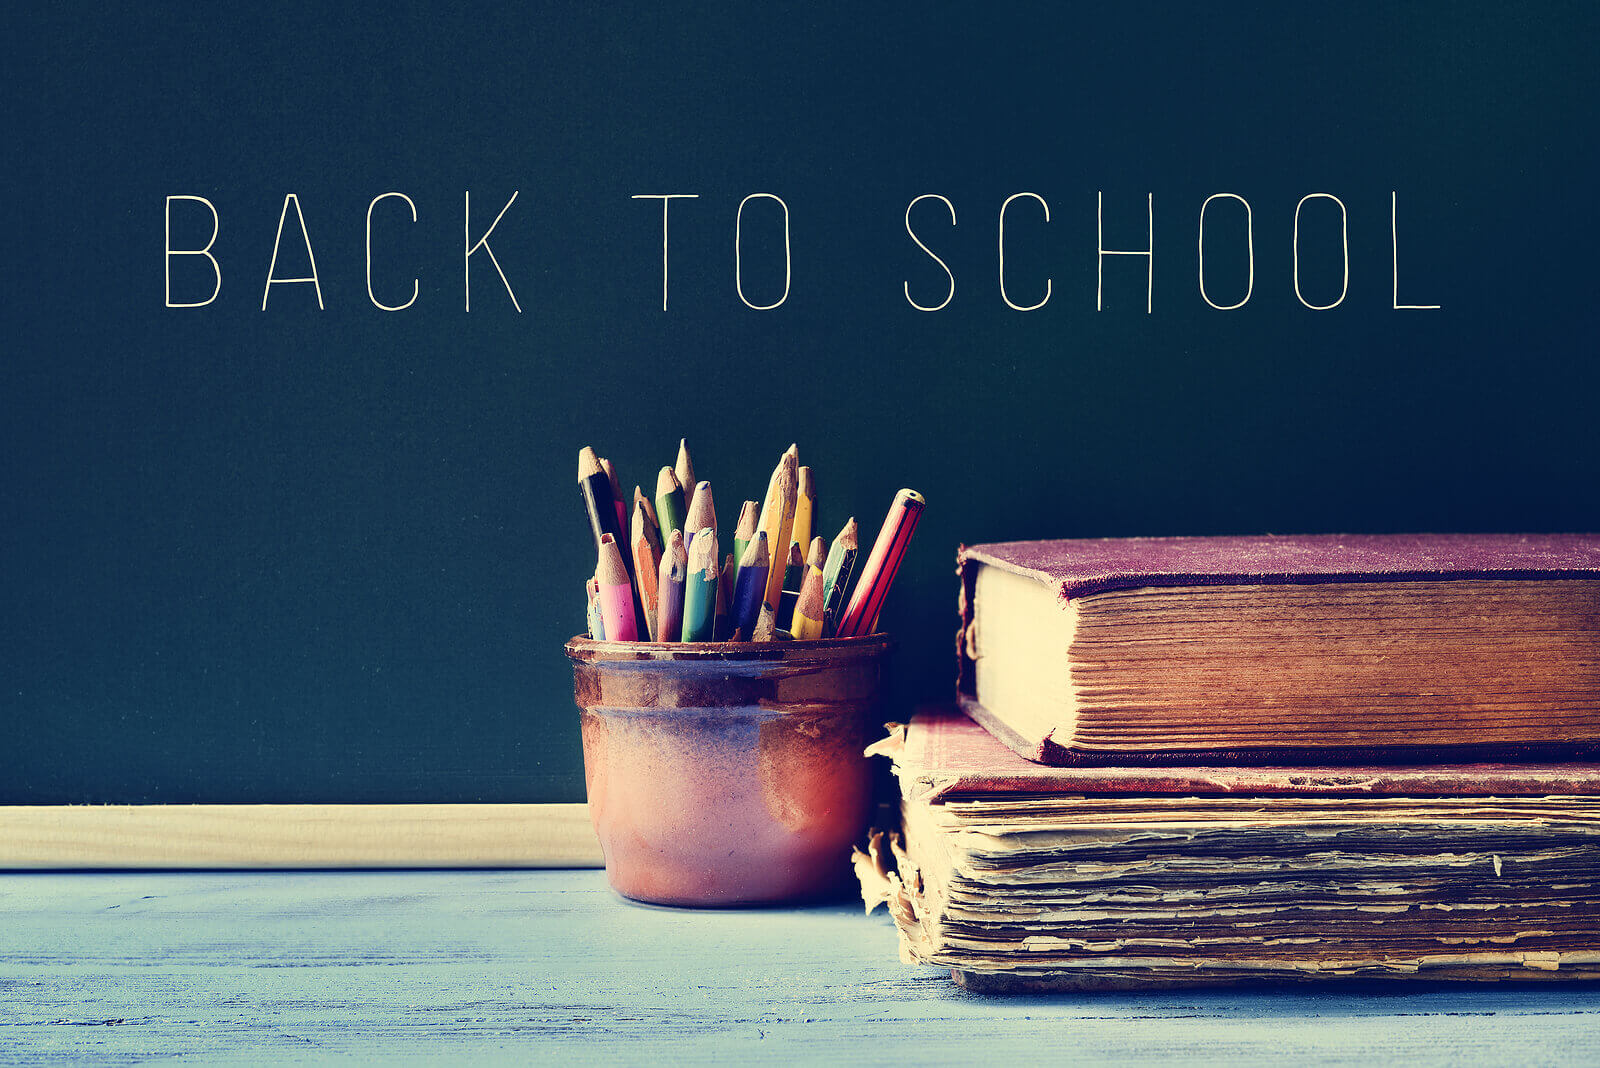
[{"x": 582, "y": 649}]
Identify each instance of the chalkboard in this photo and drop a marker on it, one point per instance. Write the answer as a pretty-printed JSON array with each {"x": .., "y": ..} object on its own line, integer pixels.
[{"x": 322, "y": 551}]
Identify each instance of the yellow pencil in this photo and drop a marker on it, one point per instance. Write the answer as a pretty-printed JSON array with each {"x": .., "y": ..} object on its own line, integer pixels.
[
  {"x": 805, "y": 505},
  {"x": 807, "y": 621},
  {"x": 777, "y": 522}
]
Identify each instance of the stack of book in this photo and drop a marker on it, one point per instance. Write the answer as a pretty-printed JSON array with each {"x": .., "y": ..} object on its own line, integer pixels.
[{"x": 1197, "y": 761}]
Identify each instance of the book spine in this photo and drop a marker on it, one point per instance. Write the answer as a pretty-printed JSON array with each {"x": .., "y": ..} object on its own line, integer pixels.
[{"x": 967, "y": 572}]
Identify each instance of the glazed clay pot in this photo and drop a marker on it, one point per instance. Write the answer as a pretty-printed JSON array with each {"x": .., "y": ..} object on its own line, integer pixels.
[{"x": 728, "y": 773}]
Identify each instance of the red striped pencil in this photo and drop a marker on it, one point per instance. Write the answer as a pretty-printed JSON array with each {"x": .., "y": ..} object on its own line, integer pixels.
[{"x": 861, "y": 616}]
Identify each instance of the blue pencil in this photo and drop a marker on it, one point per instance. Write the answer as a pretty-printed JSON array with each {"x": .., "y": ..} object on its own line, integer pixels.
[{"x": 751, "y": 588}]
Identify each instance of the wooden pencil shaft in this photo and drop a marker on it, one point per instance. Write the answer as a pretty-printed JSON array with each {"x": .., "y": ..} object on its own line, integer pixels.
[
  {"x": 766, "y": 629},
  {"x": 596, "y": 621},
  {"x": 751, "y": 585},
  {"x": 601, "y": 510},
  {"x": 616, "y": 593},
  {"x": 616, "y": 491},
  {"x": 649, "y": 510},
  {"x": 749, "y": 518},
  {"x": 861, "y": 616},
  {"x": 725, "y": 583},
  {"x": 669, "y": 606},
  {"x": 793, "y": 573},
  {"x": 836, "y": 575},
  {"x": 683, "y": 470},
  {"x": 646, "y": 566},
  {"x": 805, "y": 503},
  {"x": 669, "y": 503},
  {"x": 702, "y": 515},
  {"x": 604, "y": 518},
  {"x": 777, "y": 522},
  {"x": 700, "y": 588},
  {"x": 807, "y": 621}
]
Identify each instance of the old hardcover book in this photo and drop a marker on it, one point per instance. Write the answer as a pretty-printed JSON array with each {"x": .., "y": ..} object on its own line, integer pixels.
[
  {"x": 1017, "y": 876},
  {"x": 1309, "y": 649}
]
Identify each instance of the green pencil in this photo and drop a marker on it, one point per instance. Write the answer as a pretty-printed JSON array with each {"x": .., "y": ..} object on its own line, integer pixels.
[
  {"x": 836, "y": 575},
  {"x": 669, "y": 504}
]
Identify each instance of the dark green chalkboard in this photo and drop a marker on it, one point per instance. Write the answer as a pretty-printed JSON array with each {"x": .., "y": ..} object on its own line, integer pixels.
[{"x": 331, "y": 554}]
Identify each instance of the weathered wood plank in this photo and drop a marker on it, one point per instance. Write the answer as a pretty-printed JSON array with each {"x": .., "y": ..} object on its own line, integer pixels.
[
  {"x": 124, "y": 967},
  {"x": 34, "y": 837}
]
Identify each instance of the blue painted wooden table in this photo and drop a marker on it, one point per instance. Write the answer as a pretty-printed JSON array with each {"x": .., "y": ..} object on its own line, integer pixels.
[{"x": 125, "y": 967}]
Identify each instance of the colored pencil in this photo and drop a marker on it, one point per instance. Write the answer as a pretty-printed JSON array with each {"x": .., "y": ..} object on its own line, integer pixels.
[
  {"x": 649, "y": 510},
  {"x": 766, "y": 624},
  {"x": 669, "y": 503},
  {"x": 616, "y": 492},
  {"x": 861, "y": 616},
  {"x": 805, "y": 505},
  {"x": 647, "y": 564},
  {"x": 669, "y": 604},
  {"x": 749, "y": 519},
  {"x": 597, "y": 623},
  {"x": 751, "y": 586},
  {"x": 807, "y": 621},
  {"x": 777, "y": 521},
  {"x": 684, "y": 472},
  {"x": 794, "y": 572},
  {"x": 730, "y": 571},
  {"x": 836, "y": 575},
  {"x": 700, "y": 588},
  {"x": 595, "y": 489},
  {"x": 702, "y": 514},
  {"x": 616, "y": 593}
]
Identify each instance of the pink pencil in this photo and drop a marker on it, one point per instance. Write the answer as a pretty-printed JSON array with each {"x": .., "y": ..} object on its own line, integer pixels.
[{"x": 616, "y": 593}]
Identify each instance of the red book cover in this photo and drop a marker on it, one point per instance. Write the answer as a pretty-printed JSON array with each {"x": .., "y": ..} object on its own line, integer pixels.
[{"x": 1080, "y": 568}]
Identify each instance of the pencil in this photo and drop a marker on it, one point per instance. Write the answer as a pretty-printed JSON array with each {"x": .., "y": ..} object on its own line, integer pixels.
[
  {"x": 649, "y": 510},
  {"x": 766, "y": 624},
  {"x": 836, "y": 575},
  {"x": 647, "y": 564},
  {"x": 794, "y": 572},
  {"x": 730, "y": 571},
  {"x": 749, "y": 518},
  {"x": 700, "y": 588},
  {"x": 597, "y": 624},
  {"x": 669, "y": 503},
  {"x": 805, "y": 506},
  {"x": 751, "y": 586},
  {"x": 595, "y": 488},
  {"x": 861, "y": 617},
  {"x": 684, "y": 471},
  {"x": 616, "y": 593},
  {"x": 777, "y": 521},
  {"x": 807, "y": 621},
  {"x": 616, "y": 492},
  {"x": 669, "y": 604},
  {"x": 702, "y": 514}
]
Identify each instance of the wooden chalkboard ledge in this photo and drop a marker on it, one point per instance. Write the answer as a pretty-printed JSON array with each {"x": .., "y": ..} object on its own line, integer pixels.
[{"x": 38, "y": 837}]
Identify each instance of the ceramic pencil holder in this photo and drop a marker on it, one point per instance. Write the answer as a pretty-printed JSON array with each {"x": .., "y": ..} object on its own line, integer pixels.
[{"x": 728, "y": 773}]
